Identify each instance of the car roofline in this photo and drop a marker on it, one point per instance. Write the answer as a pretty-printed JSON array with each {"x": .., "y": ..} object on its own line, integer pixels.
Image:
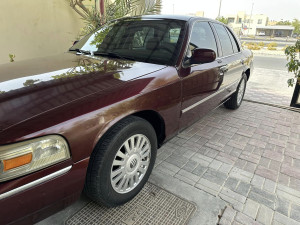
[{"x": 170, "y": 17}]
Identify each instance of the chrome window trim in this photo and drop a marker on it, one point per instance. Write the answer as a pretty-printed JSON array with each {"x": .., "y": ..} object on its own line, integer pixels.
[
  {"x": 223, "y": 57},
  {"x": 34, "y": 183}
]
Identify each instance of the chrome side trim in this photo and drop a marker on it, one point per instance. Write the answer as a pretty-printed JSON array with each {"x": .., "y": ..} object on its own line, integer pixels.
[
  {"x": 201, "y": 101},
  {"x": 33, "y": 183}
]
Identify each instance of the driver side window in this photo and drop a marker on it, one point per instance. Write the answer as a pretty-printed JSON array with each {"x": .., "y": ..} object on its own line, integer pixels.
[{"x": 202, "y": 37}]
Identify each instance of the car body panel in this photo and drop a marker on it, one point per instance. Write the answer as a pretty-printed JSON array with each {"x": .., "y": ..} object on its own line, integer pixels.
[
  {"x": 22, "y": 204},
  {"x": 71, "y": 77}
]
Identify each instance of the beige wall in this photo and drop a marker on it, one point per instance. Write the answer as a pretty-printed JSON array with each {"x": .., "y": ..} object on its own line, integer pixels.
[
  {"x": 35, "y": 28},
  {"x": 241, "y": 18}
]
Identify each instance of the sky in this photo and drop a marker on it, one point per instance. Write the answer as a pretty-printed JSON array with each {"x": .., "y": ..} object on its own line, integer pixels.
[{"x": 274, "y": 9}]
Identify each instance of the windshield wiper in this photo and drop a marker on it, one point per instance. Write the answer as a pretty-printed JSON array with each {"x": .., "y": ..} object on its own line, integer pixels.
[
  {"x": 113, "y": 55},
  {"x": 81, "y": 51}
]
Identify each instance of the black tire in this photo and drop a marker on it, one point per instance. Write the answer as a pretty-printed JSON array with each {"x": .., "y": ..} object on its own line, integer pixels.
[
  {"x": 98, "y": 185},
  {"x": 232, "y": 102}
]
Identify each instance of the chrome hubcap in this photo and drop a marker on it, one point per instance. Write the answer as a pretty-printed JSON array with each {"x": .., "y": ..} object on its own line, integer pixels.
[
  {"x": 241, "y": 91},
  {"x": 130, "y": 163}
]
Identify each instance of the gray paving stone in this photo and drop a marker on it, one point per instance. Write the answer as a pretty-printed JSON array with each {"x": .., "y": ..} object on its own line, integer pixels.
[
  {"x": 243, "y": 188},
  {"x": 225, "y": 168},
  {"x": 244, "y": 219},
  {"x": 215, "y": 176},
  {"x": 265, "y": 215},
  {"x": 190, "y": 165},
  {"x": 185, "y": 179},
  {"x": 269, "y": 185},
  {"x": 168, "y": 168},
  {"x": 235, "y": 204},
  {"x": 215, "y": 164},
  {"x": 229, "y": 214},
  {"x": 208, "y": 186},
  {"x": 177, "y": 160},
  {"x": 282, "y": 206},
  {"x": 189, "y": 175},
  {"x": 267, "y": 195},
  {"x": 288, "y": 196},
  {"x": 231, "y": 183},
  {"x": 241, "y": 175},
  {"x": 199, "y": 170},
  {"x": 233, "y": 195},
  {"x": 284, "y": 219},
  {"x": 262, "y": 197},
  {"x": 295, "y": 212},
  {"x": 251, "y": 208},
  {"x": 288, "y": 190}
]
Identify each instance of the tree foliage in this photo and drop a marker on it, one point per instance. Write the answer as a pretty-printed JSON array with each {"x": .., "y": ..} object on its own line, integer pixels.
[
  {"x": 296, "y": 24},
  {"x": 293, "y": 64},
  {"x": 286, "y": 22},
  {"x": 222, "y": 19},
  {"x": 110, "y": 10}
]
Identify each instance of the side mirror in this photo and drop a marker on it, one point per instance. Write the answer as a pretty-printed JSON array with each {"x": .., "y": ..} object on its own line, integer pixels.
[
  {"x": 75, "y": 42},
  {"x": 202, "y": 55}
]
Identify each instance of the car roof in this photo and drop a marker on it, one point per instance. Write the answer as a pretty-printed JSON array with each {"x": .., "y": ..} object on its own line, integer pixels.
[{"x": 175, "y": 17}]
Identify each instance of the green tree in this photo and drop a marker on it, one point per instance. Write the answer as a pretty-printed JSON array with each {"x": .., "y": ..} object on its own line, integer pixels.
[
  {"x": 293, "y": 64},
  {"x": 222, "y": 19},
  {"x": 110, "y": 10},
  {"x": 286, "y": 22},
  {"x": 296, "y": 24}
]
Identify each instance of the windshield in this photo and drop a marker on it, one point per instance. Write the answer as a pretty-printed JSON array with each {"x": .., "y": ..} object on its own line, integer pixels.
[{"x": 153, "y": 41}]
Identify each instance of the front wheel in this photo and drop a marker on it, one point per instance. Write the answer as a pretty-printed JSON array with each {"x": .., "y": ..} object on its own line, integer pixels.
[
  {"x": 122, "y": 162},
  {"x": 236, "y": 99}
]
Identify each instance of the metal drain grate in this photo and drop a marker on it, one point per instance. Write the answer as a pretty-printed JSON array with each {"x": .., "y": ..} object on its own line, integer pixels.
[{"x": 152, "y": 205}]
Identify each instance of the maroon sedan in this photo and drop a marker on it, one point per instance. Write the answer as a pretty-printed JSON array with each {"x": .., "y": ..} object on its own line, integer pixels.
[{"x": 92, "y": 119}]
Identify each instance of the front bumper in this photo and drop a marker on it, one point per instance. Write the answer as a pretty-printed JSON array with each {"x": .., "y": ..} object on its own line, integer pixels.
[{"x": 32, "y": 198}]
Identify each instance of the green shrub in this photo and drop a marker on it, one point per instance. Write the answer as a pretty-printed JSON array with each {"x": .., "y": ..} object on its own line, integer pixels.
[
  {"x": 261, "y": 44},
  {"x": 272, "y": 44},
  {"x": 253, "y": 46}
]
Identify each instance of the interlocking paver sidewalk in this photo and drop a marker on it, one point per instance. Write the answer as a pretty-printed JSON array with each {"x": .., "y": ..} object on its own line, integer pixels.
[
  {"x": 250, "y": 158},
  {"x": 270, "y": 86}
]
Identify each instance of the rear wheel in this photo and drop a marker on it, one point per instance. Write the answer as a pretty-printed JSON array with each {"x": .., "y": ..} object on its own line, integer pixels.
[
  {"x": 121, "y": 163},
  {"x": 236, "y": 99}
]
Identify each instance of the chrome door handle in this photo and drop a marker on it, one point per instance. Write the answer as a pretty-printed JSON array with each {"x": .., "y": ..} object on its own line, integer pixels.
[{"x": 224, "y": 69}]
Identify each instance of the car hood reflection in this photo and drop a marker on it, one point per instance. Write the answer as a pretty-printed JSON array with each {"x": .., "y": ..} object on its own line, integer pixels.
[{"x": 34, "y": 87}]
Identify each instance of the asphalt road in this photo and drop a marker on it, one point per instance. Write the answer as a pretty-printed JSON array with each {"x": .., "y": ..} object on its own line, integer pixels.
[{"x": 270, "y": 62}]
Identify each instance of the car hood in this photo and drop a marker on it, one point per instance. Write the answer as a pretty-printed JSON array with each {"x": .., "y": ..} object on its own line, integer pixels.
[{"x": 32, "y": 87}]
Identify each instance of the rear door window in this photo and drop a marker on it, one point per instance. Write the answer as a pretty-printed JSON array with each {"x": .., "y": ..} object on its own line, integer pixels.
[
  {"x": 224, "y": 39},
  {"x": 234, "y": 43}
]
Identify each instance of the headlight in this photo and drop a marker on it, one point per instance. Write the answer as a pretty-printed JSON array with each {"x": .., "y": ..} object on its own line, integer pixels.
[{"x": 29, "y": 156}]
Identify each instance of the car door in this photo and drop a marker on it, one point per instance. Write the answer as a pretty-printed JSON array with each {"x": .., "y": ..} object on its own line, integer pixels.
[
  {"x": 200, "y": 83},
  {"x": 230, "y": 59}
]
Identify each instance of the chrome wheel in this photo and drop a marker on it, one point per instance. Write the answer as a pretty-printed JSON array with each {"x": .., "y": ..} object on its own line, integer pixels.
[
  {"x": 241, "y": 91},
  {"x": 130, "y": 163}
]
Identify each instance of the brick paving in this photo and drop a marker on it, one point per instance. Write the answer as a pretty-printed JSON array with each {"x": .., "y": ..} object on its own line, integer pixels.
[
  {"x": 250, "y": 158},
  {"x": 268, "y": 85}
]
